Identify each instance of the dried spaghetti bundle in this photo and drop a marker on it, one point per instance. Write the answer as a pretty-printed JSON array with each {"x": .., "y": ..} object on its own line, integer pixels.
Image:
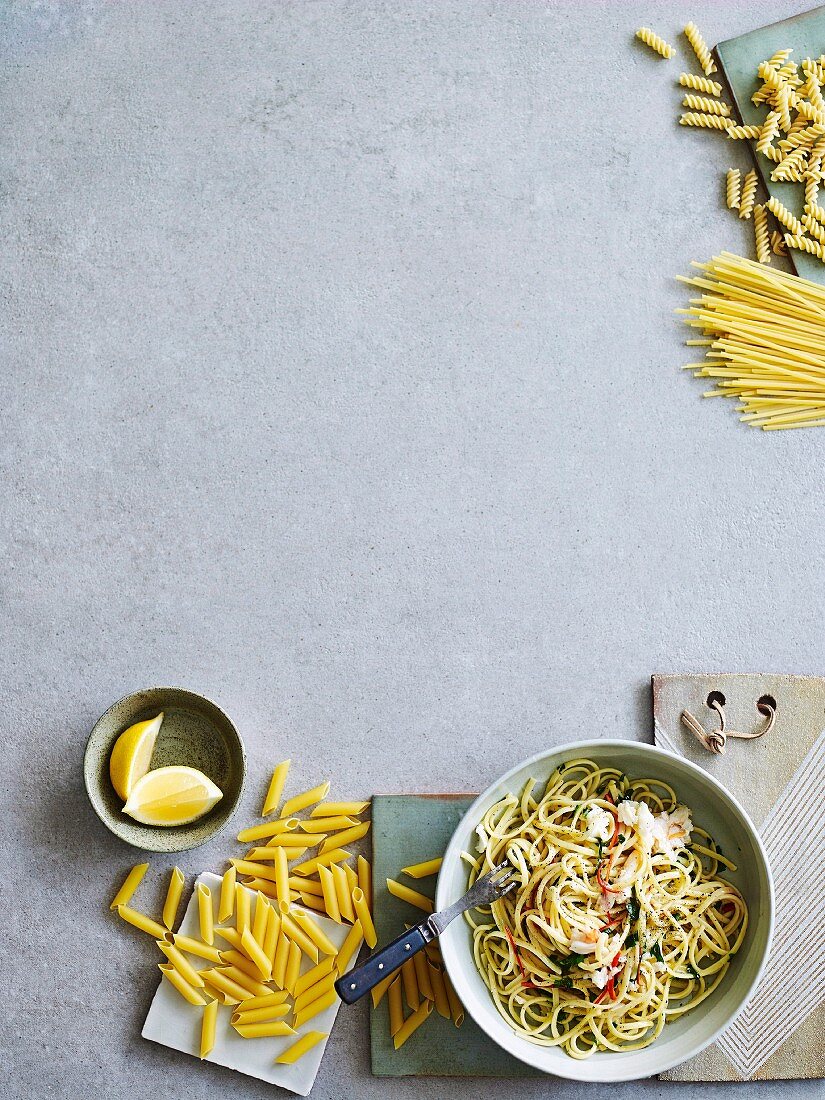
[{"x": 764, "y": 334}]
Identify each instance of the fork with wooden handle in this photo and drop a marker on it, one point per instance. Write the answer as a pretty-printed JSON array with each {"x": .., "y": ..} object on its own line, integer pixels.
[{"x": 490, "y": 887}]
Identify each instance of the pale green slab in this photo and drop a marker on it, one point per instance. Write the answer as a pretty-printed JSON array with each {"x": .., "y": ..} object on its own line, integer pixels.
[
  {"x": 409, "y": 829},
  {"x": 739, "y": 58}
]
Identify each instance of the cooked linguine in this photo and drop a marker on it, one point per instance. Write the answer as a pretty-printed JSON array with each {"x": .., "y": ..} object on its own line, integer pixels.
[{"x": 620, "y": 922}]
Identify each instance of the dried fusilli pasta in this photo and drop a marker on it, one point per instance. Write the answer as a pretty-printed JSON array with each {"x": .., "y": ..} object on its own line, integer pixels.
[
  {"x": 783, "y": 215},
  {"x": 733, "y": 188},
  {"x": 748, "y": 194},
  {"x": 700, "y": 84},
  {"x": 708, "y": 122},
  {"x": 709, "y": 106},
  {"x": 738, "y": 133},
  {"x": 700, "y": 48},
  {"x": 805, "y": 244},
  {"x": 760, "y": 232},
  {"x": 657, "y": 44},
  {"x": 778, "y": 243}
]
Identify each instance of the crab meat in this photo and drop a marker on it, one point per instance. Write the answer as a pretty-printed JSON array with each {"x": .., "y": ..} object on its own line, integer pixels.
[{"x": 599, "y": 823}]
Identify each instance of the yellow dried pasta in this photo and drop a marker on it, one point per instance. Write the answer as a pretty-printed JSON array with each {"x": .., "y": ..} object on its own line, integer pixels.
[
  {"x": 700, "y": 48},
  {"x": 760, "y": 231},
  {"x": 657, "y": 44},
  {"x": 748, "y": 194},
  {"x": 700, "y": 84},
  {"x": 733, "y": 188},
  {"x": 708, "y": 106}
]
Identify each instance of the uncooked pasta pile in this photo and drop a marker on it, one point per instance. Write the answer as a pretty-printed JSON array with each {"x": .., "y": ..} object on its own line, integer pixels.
[
  {"x": 764, "y": 334},
  {"x": 791, "y": 135}
]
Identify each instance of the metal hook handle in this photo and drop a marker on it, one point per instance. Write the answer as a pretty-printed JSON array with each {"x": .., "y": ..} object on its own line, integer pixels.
[{"x": 715, "y": 740}]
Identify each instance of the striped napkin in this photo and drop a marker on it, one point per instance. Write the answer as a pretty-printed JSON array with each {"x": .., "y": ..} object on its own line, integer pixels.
[{"x": 780, "y": 780}]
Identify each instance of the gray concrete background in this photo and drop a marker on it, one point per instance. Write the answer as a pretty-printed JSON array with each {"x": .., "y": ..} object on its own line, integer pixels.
[{"x": 340, "y": 382}]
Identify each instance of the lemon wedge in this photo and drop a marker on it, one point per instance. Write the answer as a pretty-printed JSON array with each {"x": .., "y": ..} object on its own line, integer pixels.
[
  {"x": 172, "y": 796},
  {"x": 132, "y": 755}
]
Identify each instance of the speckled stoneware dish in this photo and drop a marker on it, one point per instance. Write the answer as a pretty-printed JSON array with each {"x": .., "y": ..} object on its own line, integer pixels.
[
  {"x": 195, "y": 732},
  {"x": 716, "y": 810}
]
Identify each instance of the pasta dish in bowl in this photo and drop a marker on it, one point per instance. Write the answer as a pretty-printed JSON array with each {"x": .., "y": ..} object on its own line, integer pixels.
[{"x": 642, "y": 917}]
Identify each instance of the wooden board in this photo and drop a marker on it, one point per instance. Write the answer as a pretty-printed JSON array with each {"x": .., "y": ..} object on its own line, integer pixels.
[
  {"x": 739, "y": 58},
  {"x": 409, "y": 829}
]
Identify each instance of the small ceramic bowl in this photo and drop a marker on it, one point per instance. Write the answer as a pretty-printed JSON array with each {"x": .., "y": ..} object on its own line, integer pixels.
[
  {"x": 715, "y": 809},
  {"x": 195, "y": 732}
]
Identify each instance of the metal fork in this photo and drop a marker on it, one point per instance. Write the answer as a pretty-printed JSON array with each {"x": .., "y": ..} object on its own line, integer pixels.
[{"x": 490, "y": 887}]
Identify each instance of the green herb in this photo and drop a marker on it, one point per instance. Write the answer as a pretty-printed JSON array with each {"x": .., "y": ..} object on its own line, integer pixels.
[
  {"x": 631, "y": 940},
  {"x": 567, "y": 962},
  {"x": 633, "y": 906},
  {"x": 600, "y": 843},
  {"x": 656, "y": 951},
  {"x": 622, "y": 838},
  {"x": 693, "y": 972},
  {"x": 565, "y": 983}
]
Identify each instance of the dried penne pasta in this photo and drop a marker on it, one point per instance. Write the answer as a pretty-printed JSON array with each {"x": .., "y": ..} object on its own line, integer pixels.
[
  {"x": 300, "y": 1048},
  {"x": 313, "y": 902},
  {"x": 412, "y": 1023},
  {"x": 348, "y": 836},
  {"x": 130, "y": 885},
  {"x": 243, "y": 906},
  {"x": 226, "y": 905},
  {"x": 281, "y": 957},
  {"x": 141, "y": 921},
  {"x": 208, "y": 1022},
  {"x": 267, "y": 887},
  {"x": 261, "y": 918},
  {"x": 195, "y": 947},
  {"x": 276, "y": 788},
  {"x": 216, "y": 977},
  {"x": 181, "y": 964},
  {"x": 266, "y": 1029},
  {"x": 257, "y": 870},
  {"x": 377, "y": 992},
  {"x": 253, "y": 987},
  {"x": 293, "y": 967},
  {"x": 297, "y": 839},
  {"x": 270, "y": 828},
  {"x": 273, "y": 998},
  {"x": 413, "y": 897},
  {"x": 328, "y": 824},
  {"x": 319, "y": 989},
  {"x": 314, "y": 974},
  {"x": 442, "y": 1001},
  {"x": 281, "y": 871},
  {"x": 293, "y": 931},
  {"x": 219, "y": 995},
  {"x": 205, "y": 915},
  {"x": 352, "y": 877},
  {"x": 410, "y": 983},
  {"x": 433, "y": 866},
  {"x": 305, "y": 799},
  {"x": 319, "y": 1005},
  {"x": 342, "y": 892},
  {"x": 336, "y": 809},
  {"x": 231, "y": 935},
  {"x": 362, "y": 912},
  {"x": 173, "y": 976},
  {"x": 306, "y": 885},
  {"x": 330, "y": 894},
  {"x": 337, "y": 855},
  {"x": 241, "y": 962},
  {"x": 314, "y": 931},
  {"x": 365, "y": 877},
  {"x": 173, "y": 895},
  {"x": 394, "y": 1006},
  {"x": 244, "y": 1016},
  {"x": 273, "y": 930},
  {"x": 256, "y": 953},
  {"x": 349, "y": 948},
  {"x": 422, "y": 976},
  {"x": 456, "y": 1007}
]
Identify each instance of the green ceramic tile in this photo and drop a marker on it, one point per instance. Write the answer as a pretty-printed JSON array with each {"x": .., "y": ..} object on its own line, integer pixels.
[
  {"x": 739, "y": 59},
  {"x": 409, "y": 829}
]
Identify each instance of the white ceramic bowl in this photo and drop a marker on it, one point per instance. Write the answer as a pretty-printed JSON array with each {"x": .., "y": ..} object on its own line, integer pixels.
[{"x": 716, "y": 810}]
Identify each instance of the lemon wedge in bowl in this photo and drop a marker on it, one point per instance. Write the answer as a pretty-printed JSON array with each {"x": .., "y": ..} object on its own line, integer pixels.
[
  {"x": 132, "y": 755},
  {"x": 175, "y": 795}
]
